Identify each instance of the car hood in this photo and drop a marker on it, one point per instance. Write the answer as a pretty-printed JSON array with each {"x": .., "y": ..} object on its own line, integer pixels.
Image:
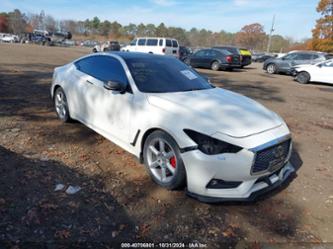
[{"x": 216, "y": 110}]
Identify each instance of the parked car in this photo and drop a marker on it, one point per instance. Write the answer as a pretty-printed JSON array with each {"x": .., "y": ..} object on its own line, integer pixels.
[
  {"x": 261, "y": 57},
  {"x": 184, "y": 52},
  {"x": 320, "y": 72},
  {"x": 245, "y": 54},
  {"x": 9, "y": 38},
  {"x": 222, "y": 145},
  {"x": 214, "y": 59},
  {"x": 107, "y": 46},
  {"x": 154, "y": 45},
  {"x": 285, "y": 63}
]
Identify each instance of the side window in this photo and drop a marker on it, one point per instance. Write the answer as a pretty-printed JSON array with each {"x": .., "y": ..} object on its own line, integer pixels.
[
  {"x": 103, "y": 68},
  {"x": 315, "y": 57},
  {"x": 174, "y": 44},
  {"x": 151, "y": 42},
  {"x": 200, "y": 53},
  {"x": 303, "y": 57},
  {"x": 168, "y": 43},
  {"x": 290, "y": 56},
  {"x": 133, "y": 43},
  {"x": 142, "y": 42},
  {"x": 160, "y": 43}
]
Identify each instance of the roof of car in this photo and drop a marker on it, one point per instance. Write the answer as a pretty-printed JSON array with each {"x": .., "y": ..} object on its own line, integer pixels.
[
  {"x": 135, "y": 55},
  {"x": 306, "y": 52}
]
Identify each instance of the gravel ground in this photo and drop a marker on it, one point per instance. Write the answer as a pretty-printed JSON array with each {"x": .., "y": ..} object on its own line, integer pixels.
[{"x": 117, "y": 201}]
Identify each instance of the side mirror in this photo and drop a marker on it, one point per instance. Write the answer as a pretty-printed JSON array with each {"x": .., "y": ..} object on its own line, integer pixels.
[
  {"x": 114, "y": 85},
  {"x": 320, "y": 65}
]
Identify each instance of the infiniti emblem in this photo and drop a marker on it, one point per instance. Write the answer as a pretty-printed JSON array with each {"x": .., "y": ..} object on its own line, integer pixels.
[{"x": 278, "y": 151}]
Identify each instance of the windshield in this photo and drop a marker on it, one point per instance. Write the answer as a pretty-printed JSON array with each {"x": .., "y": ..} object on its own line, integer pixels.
[{"x": 164, "y": 74}]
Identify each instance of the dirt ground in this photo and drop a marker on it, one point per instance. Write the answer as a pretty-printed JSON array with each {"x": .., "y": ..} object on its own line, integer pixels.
[{"x": 118, "y": 202}]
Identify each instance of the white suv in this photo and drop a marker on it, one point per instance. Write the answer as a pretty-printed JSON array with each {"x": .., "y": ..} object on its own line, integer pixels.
[{"x": 154, "y": 45}]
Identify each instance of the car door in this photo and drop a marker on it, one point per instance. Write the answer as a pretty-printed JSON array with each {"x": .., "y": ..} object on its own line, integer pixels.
[
  {"x": 141, "y": 47},
  {"x": 285, "y": 63},
  {"x": 168, "y": 47},
  {"x": 325, "y": 72},
  {"x": 198, "y": 58},
  {"x": 301, "y": 59},
  {"x": 106, "y": 111},
  {"x": 210, "y": 56}
]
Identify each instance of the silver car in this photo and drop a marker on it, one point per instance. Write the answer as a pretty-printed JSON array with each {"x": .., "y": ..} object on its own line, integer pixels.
[{"x": 286, "y": 63}]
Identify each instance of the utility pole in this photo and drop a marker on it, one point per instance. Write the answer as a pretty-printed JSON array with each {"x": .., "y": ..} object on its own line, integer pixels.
[{"x": 270, "y": 35}]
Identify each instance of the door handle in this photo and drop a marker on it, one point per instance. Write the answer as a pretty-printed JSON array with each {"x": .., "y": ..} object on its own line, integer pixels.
[{"x": 89, "y": 82}]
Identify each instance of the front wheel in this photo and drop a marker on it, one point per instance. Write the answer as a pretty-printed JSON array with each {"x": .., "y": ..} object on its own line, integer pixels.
[
  {"x": 271, "y": 69},
  {"x": 303, "y": 77},
  {"x": 163, "y": 161},
  {"x": 61, "y": 106}
]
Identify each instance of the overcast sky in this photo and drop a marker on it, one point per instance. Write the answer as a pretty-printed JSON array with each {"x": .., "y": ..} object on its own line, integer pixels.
[{"x": 294, "y": 18}]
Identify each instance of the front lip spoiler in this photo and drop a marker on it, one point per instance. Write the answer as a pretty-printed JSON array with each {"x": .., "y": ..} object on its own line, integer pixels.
[{"x": 280, "y": 184}]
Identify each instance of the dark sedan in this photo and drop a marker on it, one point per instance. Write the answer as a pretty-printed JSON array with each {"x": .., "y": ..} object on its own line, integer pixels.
[{"x": 214, "y": 59}]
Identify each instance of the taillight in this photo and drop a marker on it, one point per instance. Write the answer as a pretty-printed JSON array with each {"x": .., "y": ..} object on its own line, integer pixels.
[
  {"x": 241, "y": 58},
  {"x": 163, "y": 50},
  {"x": 229, "y": 59}
]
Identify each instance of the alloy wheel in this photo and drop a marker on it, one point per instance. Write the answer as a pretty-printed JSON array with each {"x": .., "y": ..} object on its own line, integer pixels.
[
  {"x": 162, "y": 160},
  {"x": 61, "y": 104}
]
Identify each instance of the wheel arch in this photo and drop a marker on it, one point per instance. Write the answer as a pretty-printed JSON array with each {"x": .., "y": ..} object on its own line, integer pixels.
[
  {"x": 304, "y": 71},
  {"x": 274, "y": 64},
  {"x": 145, "y": 136},
  {"x": 55, "y": 89}
]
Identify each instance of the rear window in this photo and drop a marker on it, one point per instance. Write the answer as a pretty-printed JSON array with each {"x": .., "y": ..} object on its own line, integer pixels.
[
  {"x": 142, "y": 42},
  {"x": 168, "y": 43},
  {"x": 151, "y": 42},
  {"x": 174, "y": 44}
]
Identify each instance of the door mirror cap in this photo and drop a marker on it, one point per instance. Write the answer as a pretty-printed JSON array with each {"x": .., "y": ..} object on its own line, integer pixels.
[{"x": 115, "y": 85}]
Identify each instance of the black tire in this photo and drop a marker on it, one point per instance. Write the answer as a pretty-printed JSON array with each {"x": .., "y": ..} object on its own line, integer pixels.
[
  {"x": 63, "y": 116},
  {"x": 303, "y": 77},
  {"x": 271, "y": 68},
  {"x": 179, "y": 177},
  {"x": 215, "y": 66},
  {"x": 94, "y": 50}
]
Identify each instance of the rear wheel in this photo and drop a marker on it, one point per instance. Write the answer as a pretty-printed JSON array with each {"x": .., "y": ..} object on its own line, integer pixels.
[
  {"x": 61, "y": 106},
  {"x": 303, "y": 77},
  {"x": 271, "y": 69},
  {"x": 163, "y": 161},
  {"x": 215, "y": 66}
]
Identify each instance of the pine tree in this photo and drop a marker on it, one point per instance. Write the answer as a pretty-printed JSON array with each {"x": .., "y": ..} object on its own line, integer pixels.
[{"x": 322, "y": 34}]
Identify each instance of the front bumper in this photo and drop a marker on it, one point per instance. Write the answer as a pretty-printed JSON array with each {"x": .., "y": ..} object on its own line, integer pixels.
[
  {"x": 262, "y": 185},
  {"x": 232, "y": 168}
]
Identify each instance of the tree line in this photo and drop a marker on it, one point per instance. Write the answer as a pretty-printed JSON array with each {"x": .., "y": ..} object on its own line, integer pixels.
[{"x": 251, "y": 36}]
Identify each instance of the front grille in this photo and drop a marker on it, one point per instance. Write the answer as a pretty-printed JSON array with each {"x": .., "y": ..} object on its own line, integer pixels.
[{"x": 271, "y": 158}]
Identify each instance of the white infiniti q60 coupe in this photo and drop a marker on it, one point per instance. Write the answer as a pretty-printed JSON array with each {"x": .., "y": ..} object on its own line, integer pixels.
[{"x": 219, "y": 144}]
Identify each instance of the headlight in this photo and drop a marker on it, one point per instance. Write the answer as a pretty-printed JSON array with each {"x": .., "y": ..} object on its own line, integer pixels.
[{"x": 211, "y": 146}]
